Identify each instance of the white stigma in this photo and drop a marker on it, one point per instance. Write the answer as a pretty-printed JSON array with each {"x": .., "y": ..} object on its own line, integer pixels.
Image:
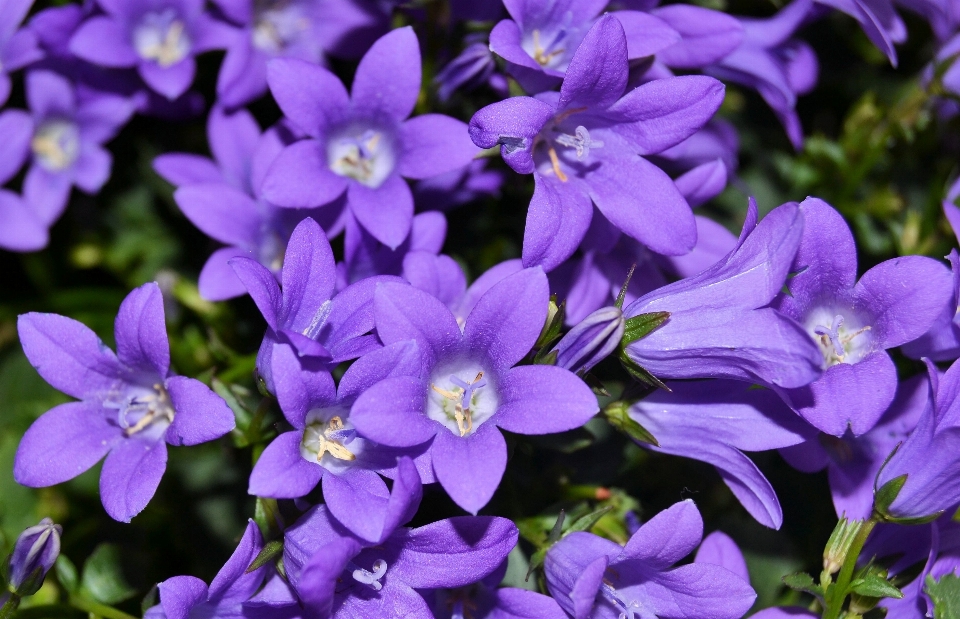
[
  {"x": 372, "y": 579},
  {"x": 461, "y": 397},
  {"x": 841, "y": 337},
  {"x": 363, "y": 155},
  {"x": 580, "y": 142},
  {"x": 161, "y": 36},
  {"x": 56, "y": 144},
  {"x": 142, "y": 409},
  {"x": 328, "y": 440}
]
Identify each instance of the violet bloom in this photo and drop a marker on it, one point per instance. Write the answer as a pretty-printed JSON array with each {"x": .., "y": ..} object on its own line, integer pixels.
[
  {"x": 458, "y": 187},
  {"x": 62, "y": 138},
  {"x": 879, "y": 20},
  {"x": 854, "y": 322},
  {"x": 364, "y": 256},
  {"x": 223, "y": 198},
  {"x": 34, "y": 553},
  {"x": 18, "y": 47},
  {"x": 715, "y": 422},
  {"x": 467, "y": 388},
  {"x": 720, "y": 325},
  {"x": 484, "y": 600},
  {"x": 852, "y": 462},
  {"x": 325, "y": 447},
  {"x": 360, "y": 146},
  {"x": 592, "y": 577},
  {"x": 183, "y": 597},
  {"x": 339, "y": 575},
  {"x": 774, "y": 63},
  {"x": 706, "y": 37},
  {"x": 539, "y": 43},
  {"x": 474, "y": 67},
  {"x": 131, "y": 405},
  {"x": 585, "y": 147},
  {"x": 591, "y": 341},
  {"x": 928, "y": 462},
  {"x": 158, "y": 37}
]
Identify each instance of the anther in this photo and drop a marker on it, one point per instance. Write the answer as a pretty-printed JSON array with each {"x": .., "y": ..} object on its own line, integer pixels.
[
  {"x": 831, "y": 335},
  {"x": 332, "y": 440},
  {"x": 543, "y": 59},
  {"x": 371, "y": 579}
]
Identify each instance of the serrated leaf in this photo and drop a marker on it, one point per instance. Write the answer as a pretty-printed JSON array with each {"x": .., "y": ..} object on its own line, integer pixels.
[
  {"x": 102, "y": 578},
  {"x": 618, "y": 416},
  {"x": 585, "y": 523},
  {"x": 642, "y": 325},
  {"x": 269, "y": 552},
  {"x": 945, "y": 594},
  {"x": 875, "y": 586},
  {"x": 801, "y": 581}
]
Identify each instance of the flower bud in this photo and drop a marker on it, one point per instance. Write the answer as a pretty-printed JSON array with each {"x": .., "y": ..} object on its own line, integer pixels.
[
  {"x": 33, "y": 555},
  {"x": 591, "y": 341}
]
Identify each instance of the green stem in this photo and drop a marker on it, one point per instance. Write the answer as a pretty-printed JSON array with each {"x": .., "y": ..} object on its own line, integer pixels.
[
  {"x": 96, "y": 608},
  {"x": 846, "y": 572},
  {"x": 10, "y": 606}
]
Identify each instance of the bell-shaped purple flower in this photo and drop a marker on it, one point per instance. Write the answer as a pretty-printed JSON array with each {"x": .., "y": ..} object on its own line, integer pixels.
[
  {"x": 131, "y": 405},
  {"x": 33, "y": 555},
  {"x": 721, "y": 325},
  {"x": 360, "y": 146},
  {"x": 158, "y": 37},
  {"x": 467, "y": 387},
  {"x": 591, "y": 341},
  {"x": 591, "y": 577},
  {"x": 854, "y": 322},
  {"x": 588, "y": 145}
]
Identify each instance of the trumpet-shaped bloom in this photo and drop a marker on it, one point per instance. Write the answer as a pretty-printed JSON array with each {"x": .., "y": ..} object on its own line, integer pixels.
[
  {"x": 360, "y": 146},
  {"x": 588, "y": 145},
  {"x": 130, "y": 404},
  {"x": 467, "y": 387}
]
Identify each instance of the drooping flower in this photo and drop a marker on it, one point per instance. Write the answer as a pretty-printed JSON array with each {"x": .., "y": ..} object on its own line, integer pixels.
[
  {"x": 131, "y": 405},
  {"x": 467, "y": 387},
  {"x": 721, "y": 325},
  {"x": 591, "y": 577},
  {"x": 158, "y": 37},
  {"x": 362, "y": 145},
  {"x": 34, "y": 553},
  {"x": 588, "y": 146},
  {"x": 854, "y": 322}
]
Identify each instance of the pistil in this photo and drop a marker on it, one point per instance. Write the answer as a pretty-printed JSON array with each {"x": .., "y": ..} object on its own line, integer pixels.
[
  {"x": 628, "y": 610},
  {"x": 331, "y": 440},
  {"x": 834, "y": 343},
  {"x": 371, "y": 579},
  {"x": 462, "y": 396}
]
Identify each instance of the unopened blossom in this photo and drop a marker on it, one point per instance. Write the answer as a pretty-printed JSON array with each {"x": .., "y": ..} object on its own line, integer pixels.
[
  {"x": 720, "y": 323},
  {"x": 592, "y": 577},
  {"x": 130, "y": 407},
  {"x": 62, "y": 139},
  {"x": 160, "y": 38},
  {"x": 34, "y": 554},
  {"x": 591, "y": 341},
  {"x": 18, "y": 46},
  {"x": 588, "y": 146},
  {"x": 473, "y": 67},
  {"x": 467, "y": 388},
  {"x": 854, "y": 322},
  {"x": 361, "y": 146}
]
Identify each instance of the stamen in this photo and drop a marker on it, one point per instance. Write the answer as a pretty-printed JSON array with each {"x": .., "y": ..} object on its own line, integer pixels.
[
  {"x": 155, "y": 406},
  {"x": 461, "y": 411},
  {"x": 542, "y": 58},
  {"x": 371, "y": 579},
  {"x": 831, "y": 334},
  {"x": 332, "y": 440},
  {"x": 555, "y": 161},
  {"x": 580, "y": 141},
  {"x": 627, "y": 610}
]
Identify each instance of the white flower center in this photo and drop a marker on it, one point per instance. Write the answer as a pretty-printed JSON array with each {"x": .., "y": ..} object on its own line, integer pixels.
[
  {"x": 365, "y": 155},
  {"x": 278, "y": 26},
  {"x": 330, "y": 441},
  {"x": 461, "y": 397},
  {"x": 142, "y": 409},
  {"x": 161, "y": 36},
  {"x": 842, "y": 337},
  {"x": 56, "y": 144}
]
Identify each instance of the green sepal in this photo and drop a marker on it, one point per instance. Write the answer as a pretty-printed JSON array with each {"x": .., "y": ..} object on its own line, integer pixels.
[
  {"x": 538, "y": 557},
  {"x": 945, "y": 595},
  {"x": 887, "y": 494},
  {"x": 267, "y": 554},
  {"x": 641, "y": 326},
  {"x": 267, "y": 516},
  {"x": 553, "y": 325},
  {"x": 638, "y": 372},
  {"x": 617, "y": 413},
  {"x": 801, "y": 581},
  {"x": 150, "y": 600},
  {"x": 66, "y": 573},
  {"x": 585, "y": 523},
  {"x": 874, "y": 585},
  {"x": 545, "y": 358}
]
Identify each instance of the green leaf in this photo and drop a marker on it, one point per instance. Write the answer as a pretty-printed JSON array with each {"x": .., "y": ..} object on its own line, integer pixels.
[
  {"x": 269, "y": 552},
  {"x": 585, "y": 523},
  {"x": 150, "y": 600},
  {"x": 887, "y": 494},
  {"x": 875, "y": 586},
  {"x": 617, "y": 413},
  {"x": 945, "y": 595},
  {"x": 641, "y": 326},
  {"x": 801, "y": 581},
  {"x": 102, "y": 579}
]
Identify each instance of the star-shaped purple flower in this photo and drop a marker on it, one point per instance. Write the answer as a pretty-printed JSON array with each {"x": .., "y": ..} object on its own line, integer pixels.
[{"x": 131, "y": 405}]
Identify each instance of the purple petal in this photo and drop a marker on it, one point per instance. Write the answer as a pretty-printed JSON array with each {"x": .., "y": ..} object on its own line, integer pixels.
[
  {"x": 698, "y": 590},
  {"x": 309, "y": 95},
  {"x": 519, "y": 119},
  {"x": 646, "y": 35},
  {"x": 300, "y": 384},
  {"x": 707, "y": 35},
  {"x": 184, "y": 169},
  {"x": 397, "y": 359},
  {"x": 300, "y": 178},
  {"x": 281, "y": 472},
  {"x": 541, "y": 399},
  {"x": 826, "y": 260},
  {"x": 714, "y": 242},
  {"x": 218, "y": 281},
  {"x": 405, "y": 313},
  {"x": 201, "y": 415},
  {"x": 46, "y": 193},
  {"x": 64, "y": 442},
  {"x": 597, "y": 75},
  {"x": 439, "y": 276},
  {"x": 512, "y": 603},
  {"x": 470, "y": 468},
  {"x": 16, "y": 131},
  {"x": 180, "y": 594},
  {"x": 667, "y": 537},
  {"x": 103, "y": 41},
  {"x": 308, "y": 276},
  {"x": 358, "y": 500},
  {"x": 387, "y": 80},
  {"x": 385, "y": 212},
  {"x": 317, "y": 581},
  {"x": 172, "y": 81},
  {"x": 233, "y": 140},
  {"x": 405, "y": 497},
  {"x": 557, "y": 220},
  {"x": 92, "y": 168},
  {"x": 49, "y": 94},
  {"x": 21, "y": 230},
  {"x": 232, "y": 583},
  {"x": 434, "y": 144},
  {"x": 68, "y": 355},
  {"x": 718, "y": 549},
  {"x": 141, "y": 331},
  {"x": 391, "y": 413},
  {"x": 508, "y": 318},
  {"x": 262, "y": 286},
  {"x": 483, "y": 283},
  {"x": 703, "y": 182},
  {"x": 130, "y": 476}
]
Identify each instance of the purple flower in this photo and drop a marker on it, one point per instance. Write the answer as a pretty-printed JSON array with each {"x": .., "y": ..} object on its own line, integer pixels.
[
  {"x": 62, "y": 137},
  {"x": 474, "y": 67},
  {"x": 927, "y": 465},
  {"x": 715, "y": 422},
  {"x": 720, "y": 325},
  {"x": 338, "y": 575},
  {"x": 593, "y": 577},
  {"x": 182, "y": 597},
  {"x": 131, "y": 406},
  {"x": 706, "y": 36},
  {"x": 591, "y": 341},
  {"x": 18, "y": 47},
  {"x": 360, "y": 146},
  {"x": 852, "y": 462},
  {"x": 854, "y": 322},
  {"x": 33, "y": 555},
  {"x": 364, "y": 256},
  {"x": 467, "y": 387},
  {"x": 585, "y": 145},
  {"x": 483, "y": 600},
  {"x": 223, "y": 198},
  {"x": 158, "y": 37},
  {"x": 539, "y": 43},
  {"x": 458, "y": 187},
  {"x": 879, "y": 20}
]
